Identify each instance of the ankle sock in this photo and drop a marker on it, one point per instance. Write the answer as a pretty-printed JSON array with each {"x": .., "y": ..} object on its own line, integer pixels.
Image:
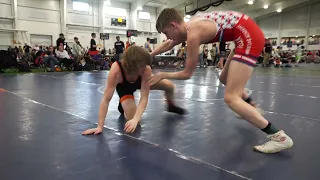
[
  {"x": 176, "y": 109},
  {"x": 270, "y": 129},
  {"x": 248, "y": 100}
]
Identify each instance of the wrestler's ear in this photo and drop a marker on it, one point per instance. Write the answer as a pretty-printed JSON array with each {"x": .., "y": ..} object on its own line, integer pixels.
[{"x": 173, "y": 24}]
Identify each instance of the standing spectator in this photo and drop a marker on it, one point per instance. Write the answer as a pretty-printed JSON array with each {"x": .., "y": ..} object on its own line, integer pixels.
[
  {"x": 181, "y": 55},
  {"x": 41, "y": 48},
  {"x": 61, "y": 40},
  {"x": 127, "y": 44},
  {"x": 20, "y": 49},
  {"x": 267, "y": 51},
  {"x": 77, "y": 49},
  {"x": 204, "y": 56},
  {"x": 147, "y": 45},
  {"x": 213, "y": 53},
  {"x": 93, "y": 45},
  {"x": 16, "y": 50},
  {"x": 119, "y": 46},
  {"x": 222, "y": 52},
  {"x": 298, "y": 53},
  {"x": 222, "y": 49},
  {"x": 26, "y": 49}
]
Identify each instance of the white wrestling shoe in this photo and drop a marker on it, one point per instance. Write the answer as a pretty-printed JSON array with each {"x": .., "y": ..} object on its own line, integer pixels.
[{"x": 278, "y": 142}]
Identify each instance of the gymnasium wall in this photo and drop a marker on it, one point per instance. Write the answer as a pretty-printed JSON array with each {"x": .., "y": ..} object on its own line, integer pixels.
[
  {"x": 98, "y": 19},
  {"x": 82, "y": 23},
  {"x": 40, "y": 18},
  {"x": 43, "y": 21},
  {"x": 294, "y": 24},
  {"x": 6, "y": 22},
  {"x": 147, "y": 27}
]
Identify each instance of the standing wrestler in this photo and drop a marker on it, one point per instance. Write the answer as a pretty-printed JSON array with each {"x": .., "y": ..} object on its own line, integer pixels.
[{"x": 249, "y": 40}]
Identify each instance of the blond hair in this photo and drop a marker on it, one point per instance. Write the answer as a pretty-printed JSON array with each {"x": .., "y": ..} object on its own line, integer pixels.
[
  {"x": 167, "y": 16},
  {"x": 134, "y": 58}
]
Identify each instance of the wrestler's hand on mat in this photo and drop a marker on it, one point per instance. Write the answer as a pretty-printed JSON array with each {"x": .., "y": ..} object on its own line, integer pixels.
[
  {"x": 130, "y": 126},
  {"x": 94, "y": 131},
  {"x": 154, "y": 79}
]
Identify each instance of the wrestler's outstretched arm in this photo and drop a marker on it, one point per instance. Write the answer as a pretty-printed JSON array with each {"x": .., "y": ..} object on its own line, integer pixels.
[
  {"x": 164, "y": 47},
  {"x": 131, "y": 124},
  {"x": 104, "y": 104}
]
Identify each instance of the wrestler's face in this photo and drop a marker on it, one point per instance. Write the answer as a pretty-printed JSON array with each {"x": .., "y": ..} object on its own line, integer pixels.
[
  {"x": 141, "y": 70},
  {"x": 138, "y": 72},
  {"x": 173, "y": 31}
]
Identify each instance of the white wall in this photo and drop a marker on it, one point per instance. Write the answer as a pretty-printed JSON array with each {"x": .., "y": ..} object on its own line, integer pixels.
[
  {"x": 270, "y": 26},
  {"x": 39, "y": 17},
  {"x": 114, "y": 31},
  {"x": 314, "y": 19},
  {"x": 81, "y": 24},
  {"x": 44, "y": 18},
  {"x": 293, "y": 23},
  {"x": 87, "y": 22},
  {"x": 5, "y": 12},
  {"x": 147, "y": 27},
  {"x": 5, "y": 8}
]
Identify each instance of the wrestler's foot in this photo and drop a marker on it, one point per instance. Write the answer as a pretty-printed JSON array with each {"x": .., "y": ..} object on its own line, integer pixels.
[
  {"x": 175, "y": 109},
  {"x": 278, "y": 142}
]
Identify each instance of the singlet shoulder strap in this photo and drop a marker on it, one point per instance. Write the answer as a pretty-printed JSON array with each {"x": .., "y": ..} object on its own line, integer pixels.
[
  {"x": 202, "y": 17},
  {"x": 122, "y": 72},
  {"x": 221, "y": 36}
]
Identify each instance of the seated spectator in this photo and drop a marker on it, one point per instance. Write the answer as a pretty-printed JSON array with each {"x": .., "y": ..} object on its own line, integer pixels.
[
  {"x": 51, "y": 60},
  {"x": 36, "y": 47},
  {"x": 310, "y": 57},
  {"x": 64, "y": 57},
  {"x": 103, "y": 51},
  {"x": 277, "y": 62},
  {"x": 317, "y": 59},
  {"x": 61, "y": 53}
]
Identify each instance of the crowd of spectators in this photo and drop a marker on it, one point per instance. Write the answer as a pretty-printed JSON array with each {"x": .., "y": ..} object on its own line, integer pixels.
[{"x": 62, "y": 57}]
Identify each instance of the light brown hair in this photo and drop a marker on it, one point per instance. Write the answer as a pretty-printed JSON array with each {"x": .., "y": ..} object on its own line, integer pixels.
[
  {"x": 167, "y": 16},
  {"x": 134, "y": 58}
]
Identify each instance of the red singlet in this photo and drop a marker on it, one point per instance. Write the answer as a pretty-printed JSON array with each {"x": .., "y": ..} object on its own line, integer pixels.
[{"x": 240, "y": 28}]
